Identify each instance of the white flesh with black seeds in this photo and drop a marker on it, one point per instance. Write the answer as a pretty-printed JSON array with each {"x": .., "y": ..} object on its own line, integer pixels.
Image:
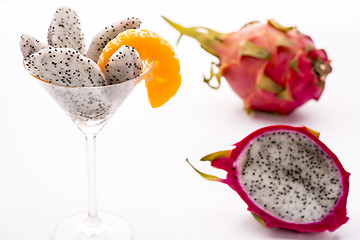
[
  {"x": 89, "y": 104},
  {"x": 65, "y": 30},
  {"x": 66, "y": 67},
  {"x": 30, "y": 45},
  {"x": 100, "y": 40},
  {"x": 124, "y": 64},
  {"x": 289, "y": 176},
  {"x": 81, "y": 104}
]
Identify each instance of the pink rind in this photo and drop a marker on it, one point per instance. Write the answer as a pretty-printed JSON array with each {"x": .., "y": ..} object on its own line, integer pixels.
[{"x": 331, "y": 222}]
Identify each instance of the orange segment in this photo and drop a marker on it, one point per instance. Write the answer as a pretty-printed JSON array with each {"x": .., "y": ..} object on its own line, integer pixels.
[{"x": 164, "y": 80}]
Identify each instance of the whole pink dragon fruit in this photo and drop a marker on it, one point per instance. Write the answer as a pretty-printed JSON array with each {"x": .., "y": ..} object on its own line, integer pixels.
[
  {"x": 287, "y": 177},
  {"x": 271, "y": 67}
]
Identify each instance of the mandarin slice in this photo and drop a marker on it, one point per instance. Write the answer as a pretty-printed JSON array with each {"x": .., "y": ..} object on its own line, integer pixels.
[{"x": 164, "y": 80}]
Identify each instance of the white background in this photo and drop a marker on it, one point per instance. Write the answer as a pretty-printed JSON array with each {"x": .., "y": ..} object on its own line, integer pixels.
[{"x": 142, "y": 173}]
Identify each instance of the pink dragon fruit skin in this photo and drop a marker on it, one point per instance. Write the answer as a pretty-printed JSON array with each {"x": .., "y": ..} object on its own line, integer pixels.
[
  {"x": 229, "y": 161},
  {"x": 271, "y": 67}
]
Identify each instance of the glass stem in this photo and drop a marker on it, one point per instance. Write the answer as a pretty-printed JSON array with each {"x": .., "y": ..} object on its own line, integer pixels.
[{"x": 92, "y": 219}]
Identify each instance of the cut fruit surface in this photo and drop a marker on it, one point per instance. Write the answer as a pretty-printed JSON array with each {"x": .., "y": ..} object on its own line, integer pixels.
[
  {"x": 164, "y": 80},
  {"x": 287, "y": 177}
]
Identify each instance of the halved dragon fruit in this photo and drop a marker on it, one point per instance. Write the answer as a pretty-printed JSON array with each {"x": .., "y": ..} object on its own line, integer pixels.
[
  {"x": 287, "y": 177},
  {"x": 271, "y": 67}
]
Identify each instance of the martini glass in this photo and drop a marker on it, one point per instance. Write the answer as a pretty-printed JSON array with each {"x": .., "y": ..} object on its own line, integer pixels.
[{"x": 90, "y": 108}]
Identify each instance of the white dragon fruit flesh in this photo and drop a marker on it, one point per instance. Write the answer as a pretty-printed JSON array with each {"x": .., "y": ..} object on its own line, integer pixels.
[
  {"x": 30, "y": 45},
  {"x": 63, "y": 61},
  {"x": 124, "y": 64},
  {"x": 66, "y": 67},
  {"x": 108, "y": 33},
  {"x": 89, "y": 105},
  {"x": 65, "y": 30},
  {"x": 76, "y": 81},
  {"x": 287, "y": 177}
]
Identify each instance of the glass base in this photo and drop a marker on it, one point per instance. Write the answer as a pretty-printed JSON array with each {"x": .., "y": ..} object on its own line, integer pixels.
[{"x": 80, "y": 227}]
